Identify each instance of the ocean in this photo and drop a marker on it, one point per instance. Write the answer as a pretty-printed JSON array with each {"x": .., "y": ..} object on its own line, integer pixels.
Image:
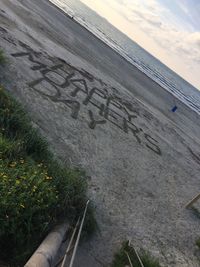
[{"x": 132, "y": 52}]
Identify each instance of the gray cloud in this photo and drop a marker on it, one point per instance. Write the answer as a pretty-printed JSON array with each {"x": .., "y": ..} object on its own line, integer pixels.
[
  {"x": 165, "y": 25},
  {"x": 150, "y": 18}
]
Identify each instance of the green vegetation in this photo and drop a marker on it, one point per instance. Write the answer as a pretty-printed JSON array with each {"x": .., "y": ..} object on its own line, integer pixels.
[
  {"x": 2, "y": 57},
  {"x": 198, "y": 242},
  {"x": 195, "y": 211},
  {"x": 121, "y": 258},
  {"x": 36, "y": 191}
]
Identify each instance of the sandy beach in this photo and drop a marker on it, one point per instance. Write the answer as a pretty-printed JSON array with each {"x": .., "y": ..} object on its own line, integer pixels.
[{"x": 102, "y": 114}]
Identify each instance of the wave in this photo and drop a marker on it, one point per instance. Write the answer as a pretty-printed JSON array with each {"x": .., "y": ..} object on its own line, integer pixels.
[{"x": 155, "y": 75}]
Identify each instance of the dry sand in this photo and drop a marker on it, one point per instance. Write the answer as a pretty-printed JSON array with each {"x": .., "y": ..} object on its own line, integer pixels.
[{"x": 101, "y": 113}]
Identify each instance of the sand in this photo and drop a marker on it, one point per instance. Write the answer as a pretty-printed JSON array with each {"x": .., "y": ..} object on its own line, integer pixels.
[{"x": 100, "y": 113}]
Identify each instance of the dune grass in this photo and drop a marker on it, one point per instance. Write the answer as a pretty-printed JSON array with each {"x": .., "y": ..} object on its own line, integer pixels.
[
  {"x": 195, "y": 212},
  {"x": 2, "y": 57},
  {"x": 198, "y": 243},
  {"x": 121, "y": 258},
  {"x": 36, "y": 191}
]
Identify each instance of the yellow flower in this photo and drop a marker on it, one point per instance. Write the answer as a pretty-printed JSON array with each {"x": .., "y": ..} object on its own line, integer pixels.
[
  {"x": 13, "y": 164},
  {"x": 34, "y": 188},
  {"x": 40, "y": 165},
  {"x": 21, "y": 205}
]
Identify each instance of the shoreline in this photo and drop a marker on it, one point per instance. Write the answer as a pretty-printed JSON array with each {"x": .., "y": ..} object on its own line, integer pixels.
[
  {"x": 157, "y": 91},
  {"x": 178, "y": 94}
]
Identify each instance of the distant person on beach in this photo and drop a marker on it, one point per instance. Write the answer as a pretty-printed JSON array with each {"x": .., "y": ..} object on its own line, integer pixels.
[{"x": 174, "y": 109}]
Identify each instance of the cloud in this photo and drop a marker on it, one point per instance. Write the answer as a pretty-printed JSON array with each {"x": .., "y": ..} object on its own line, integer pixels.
[
  {"x": 134, "y": 10},
  {"x": 162, "y": 26},
  {"x": 171, "y": 32}
]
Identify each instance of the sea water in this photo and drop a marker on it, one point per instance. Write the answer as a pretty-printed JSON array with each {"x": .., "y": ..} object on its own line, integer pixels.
[{"x": 132, "y": 52}]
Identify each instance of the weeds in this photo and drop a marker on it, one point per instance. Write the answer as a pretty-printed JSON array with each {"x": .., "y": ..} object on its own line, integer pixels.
[
  {"x": 121, "y": 258},
  {"x": 36, "y": 191},
  {"x": 195, "y": 211},
  {"x": 148, "y": 260},
  {"x": 198, "y": 242},
  {"x": 2, "y": 57}
]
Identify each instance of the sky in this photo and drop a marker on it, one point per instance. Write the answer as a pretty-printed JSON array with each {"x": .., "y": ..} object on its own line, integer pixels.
[{"x": 168, "y": 29}]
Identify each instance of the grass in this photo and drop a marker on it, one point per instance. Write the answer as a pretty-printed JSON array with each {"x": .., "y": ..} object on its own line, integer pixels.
[
  {"x": 36, "y": 191},
  {"x": 2, "y": 57},
  {"x": 195, "y": 211},
  {"x": 198, "y": 243},
  {"x": 121, "y": 258}
]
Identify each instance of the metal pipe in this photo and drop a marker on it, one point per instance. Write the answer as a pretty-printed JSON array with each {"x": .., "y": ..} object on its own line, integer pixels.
[{"x": 46, "y": 252}]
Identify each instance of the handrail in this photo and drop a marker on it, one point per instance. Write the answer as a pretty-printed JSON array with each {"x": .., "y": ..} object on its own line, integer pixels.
[
  {"x": 138, "y": 257},
  {"x": 70, "y": 243},
  {"x": 79, "y": 234},
  {"x": 189, "y": 204},
  {"x": 69, "y": 247}
]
